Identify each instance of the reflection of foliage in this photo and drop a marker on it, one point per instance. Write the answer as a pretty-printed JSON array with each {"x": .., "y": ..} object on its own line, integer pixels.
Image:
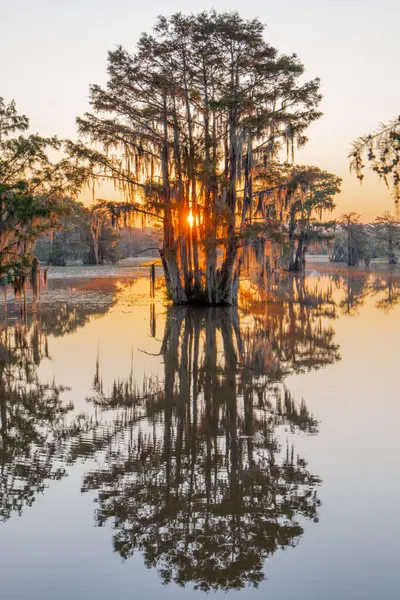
[
  {"x": 69, "y": 317},
  {"x": 32, "y": 414},
  {"x": 34, "y": 434},
  {"x": 390, "y": 286},
  {"x": 58, "y": 317},
  {"x": 297, "y": 306},
  {"x": 354, "y": 289},
  {"x": 198, "y": 472},
  {"x": 290, "y": 312},
  {"x": 36, "y": 439},
  {"x": 197, "y": 479}
]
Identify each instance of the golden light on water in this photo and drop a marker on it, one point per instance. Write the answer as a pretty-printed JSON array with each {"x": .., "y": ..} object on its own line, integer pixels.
[{"x": 190, "y": 219}]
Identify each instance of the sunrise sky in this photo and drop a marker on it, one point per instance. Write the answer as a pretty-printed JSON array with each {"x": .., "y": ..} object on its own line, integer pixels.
[{"x": 50, "y": 50}]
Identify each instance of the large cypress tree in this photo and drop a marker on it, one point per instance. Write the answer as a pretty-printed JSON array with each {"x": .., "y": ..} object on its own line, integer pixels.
[{"x": 184, "y": 127}]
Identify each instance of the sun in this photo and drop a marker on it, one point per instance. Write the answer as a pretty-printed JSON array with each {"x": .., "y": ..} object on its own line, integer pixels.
[{"x": 190, "y": 219}]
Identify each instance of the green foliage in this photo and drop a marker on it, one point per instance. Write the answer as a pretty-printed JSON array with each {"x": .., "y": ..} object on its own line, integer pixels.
[{"x": 31, "y": 189}]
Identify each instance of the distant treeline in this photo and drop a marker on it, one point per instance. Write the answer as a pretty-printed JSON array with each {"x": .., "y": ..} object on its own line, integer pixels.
[
  {"x": 86, "y": 236},
  {"x": 355, "y": 243}
]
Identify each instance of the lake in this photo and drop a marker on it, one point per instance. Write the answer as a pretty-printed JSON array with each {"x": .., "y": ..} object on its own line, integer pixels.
[{"x": 157, "y": 452}]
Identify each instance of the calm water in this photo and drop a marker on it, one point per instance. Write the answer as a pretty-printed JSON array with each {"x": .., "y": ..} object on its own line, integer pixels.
[{"x": 147, "y": 451}]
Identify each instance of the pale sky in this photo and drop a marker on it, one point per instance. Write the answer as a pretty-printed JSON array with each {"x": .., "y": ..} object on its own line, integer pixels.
[{"x": 50, "y": 50}]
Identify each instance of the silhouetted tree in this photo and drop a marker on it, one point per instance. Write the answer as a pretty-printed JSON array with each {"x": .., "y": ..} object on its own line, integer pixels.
[{"x": 183, "y": 127}]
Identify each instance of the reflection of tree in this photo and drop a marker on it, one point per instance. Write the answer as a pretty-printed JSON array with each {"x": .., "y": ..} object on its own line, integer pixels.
[
  {"x": 34, "y": 434},
  {"x": 58, "y": 318},
  {"x": 289, "y": 315},
  {"x": 389, "y": 286},
  {"x": 355, "y": 289},
  {"x": 67, "y": 318},
  {"x": 303, "y": 301},
  {"x": 37, "y": 437},
  {"x": 90, "y": 299},
  {"x": 198, "y": 479}
]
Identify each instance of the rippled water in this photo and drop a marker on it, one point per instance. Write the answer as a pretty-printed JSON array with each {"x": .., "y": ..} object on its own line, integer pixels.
[{"x": 148, "y": 451}]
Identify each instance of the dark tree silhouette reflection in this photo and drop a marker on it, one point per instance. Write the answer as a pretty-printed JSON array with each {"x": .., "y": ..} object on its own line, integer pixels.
[
  {"x": 354, "y": 289},
  {"x": 291, "y": 316},
  {"x": 38, "y": 435},
  {"x": 388, "y": 286},
  {"x": 203, "y": 478},
  {"x": 32, "y": 420}
]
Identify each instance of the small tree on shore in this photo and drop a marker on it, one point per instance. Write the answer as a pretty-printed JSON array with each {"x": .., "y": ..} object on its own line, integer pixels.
[{"x": 183, "y": 127}]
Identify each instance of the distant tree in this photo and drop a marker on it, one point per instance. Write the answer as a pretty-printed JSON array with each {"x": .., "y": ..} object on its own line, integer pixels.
[
  {"x": 382, "y": 150},
  {"x": 388, "y": 233},
  {"x": 105, "y": 249},
  {"x": 351, "y": 241},
  {"x": 85, "y": 233},
  {"x": 98, "y": 232},
  {"x": 296, "y": 224},
  {"x": 136, "y": 240},
  {"x": 316, "y": 190}
]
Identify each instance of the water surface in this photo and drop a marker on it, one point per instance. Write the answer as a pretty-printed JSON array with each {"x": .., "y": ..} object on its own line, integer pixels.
[{"x": 149, "y": 451}]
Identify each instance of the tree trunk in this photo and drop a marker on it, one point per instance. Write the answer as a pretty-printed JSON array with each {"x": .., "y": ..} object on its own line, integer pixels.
[
  {"x": 297, "y": 264},
  {"x": 226, "y": 288},
  {"x": 392, "y": 259},
  {"x": 169, "y": 250}
]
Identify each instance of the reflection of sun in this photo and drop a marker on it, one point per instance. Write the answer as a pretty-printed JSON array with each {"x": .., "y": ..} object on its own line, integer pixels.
[{"x": 190, "y": 219}]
